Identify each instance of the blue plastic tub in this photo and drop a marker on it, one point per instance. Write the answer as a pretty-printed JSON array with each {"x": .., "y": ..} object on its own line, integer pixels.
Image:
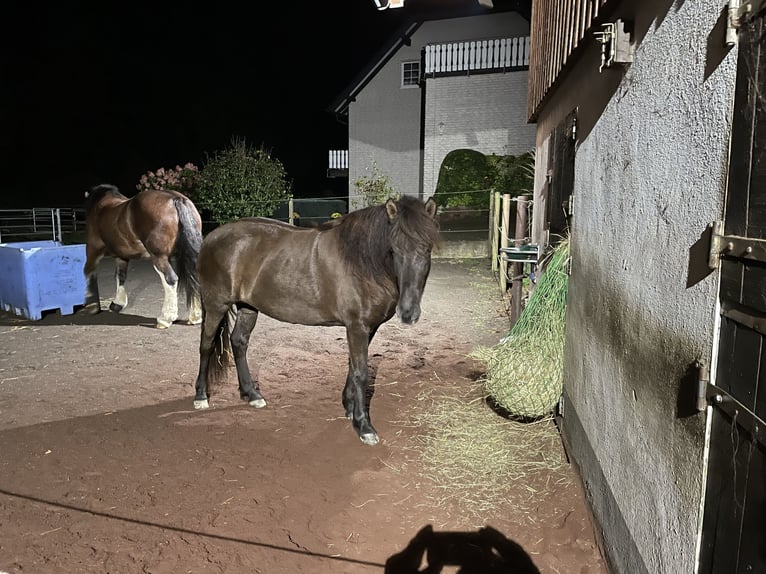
[{"x": 38, "y": 276}]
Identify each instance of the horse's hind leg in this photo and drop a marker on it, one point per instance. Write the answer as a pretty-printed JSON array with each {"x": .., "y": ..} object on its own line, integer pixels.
[
  {"x": 208, "y": 334},
  {"x": 240, "y": 337},
  {"x": 120, "y": 300},
  {"x": 169, "y": 312},
  {"x": 195, "y": 310},
  {"x": 92, "y": 299}
]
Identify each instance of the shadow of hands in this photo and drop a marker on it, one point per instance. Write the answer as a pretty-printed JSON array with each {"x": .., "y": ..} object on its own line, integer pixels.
[{"x": 486, "y": 551}]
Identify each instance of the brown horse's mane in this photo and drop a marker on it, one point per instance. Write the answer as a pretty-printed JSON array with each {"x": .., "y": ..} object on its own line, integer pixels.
[
  {"x": 367, "y": 236},
  {"x": 97, "y": 193}
]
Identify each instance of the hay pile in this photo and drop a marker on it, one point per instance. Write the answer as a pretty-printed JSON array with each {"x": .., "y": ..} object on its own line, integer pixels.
[
  {"x": 474, "y": 463},
  {"x": 524, "y": 370}
]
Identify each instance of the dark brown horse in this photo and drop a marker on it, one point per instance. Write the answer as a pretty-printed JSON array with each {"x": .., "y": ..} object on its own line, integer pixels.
[
  {"x": 162, "y": 225},
  {"x": 355, "y": 272}
]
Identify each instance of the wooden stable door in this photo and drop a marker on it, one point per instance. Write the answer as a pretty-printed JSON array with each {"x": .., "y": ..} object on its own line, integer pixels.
[{"x": 734, "y": 525}]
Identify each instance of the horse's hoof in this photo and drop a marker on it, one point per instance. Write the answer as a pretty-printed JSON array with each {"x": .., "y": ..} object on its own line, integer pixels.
[
  {"x": 92, "y": 308},
  {"x": 369, "y": 438},
  {"x": 161, "y": 324},
  {"x": 194, "y": 321},
  {"x": 203, "y": 404},
  {"x": 257, "y": 403},
  {"x": 115, "y": 308}
]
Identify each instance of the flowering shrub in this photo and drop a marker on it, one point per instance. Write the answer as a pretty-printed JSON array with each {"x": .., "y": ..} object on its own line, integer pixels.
[
  {"x": 373, "y": 189},
  {"x": 184, "y": 179}
]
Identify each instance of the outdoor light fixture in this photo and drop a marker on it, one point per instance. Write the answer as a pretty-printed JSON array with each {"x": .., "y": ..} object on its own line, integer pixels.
[{"x": 383, "y": 4}]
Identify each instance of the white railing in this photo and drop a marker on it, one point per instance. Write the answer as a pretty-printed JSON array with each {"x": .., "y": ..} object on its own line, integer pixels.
[
  {"x": 39, "y": 223},
  {"x": 338, "y": 159},
  {"x": 497, "y": 54}
]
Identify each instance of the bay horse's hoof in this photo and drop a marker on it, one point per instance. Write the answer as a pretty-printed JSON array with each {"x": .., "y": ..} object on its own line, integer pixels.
[
  {"x": 203, "y": 404},
  {"x": 115, "y": 308},
  {"x": 369, "y": 438},
  {"x": 92, "y": 308}
]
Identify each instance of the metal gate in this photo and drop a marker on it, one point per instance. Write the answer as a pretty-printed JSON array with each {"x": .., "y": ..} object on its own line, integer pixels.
[{"x": 734, "y": 522}]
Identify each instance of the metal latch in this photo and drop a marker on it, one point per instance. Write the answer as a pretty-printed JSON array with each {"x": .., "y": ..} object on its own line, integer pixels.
[
  {"x": 733, "y": 246},
  {"x": 616, "y": 45}
]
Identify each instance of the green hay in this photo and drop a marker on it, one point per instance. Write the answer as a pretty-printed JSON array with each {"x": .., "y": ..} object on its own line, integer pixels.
[{"x": 524, "y": 370}]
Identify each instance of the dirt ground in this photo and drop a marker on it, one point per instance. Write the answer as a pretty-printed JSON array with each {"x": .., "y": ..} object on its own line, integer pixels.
[{"x": 105, "y": 467}]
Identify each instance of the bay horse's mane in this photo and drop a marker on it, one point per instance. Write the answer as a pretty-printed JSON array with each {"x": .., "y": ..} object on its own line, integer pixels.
[
  {"x": 368, "y": 235},
  {"x": 97, "y": 193}
]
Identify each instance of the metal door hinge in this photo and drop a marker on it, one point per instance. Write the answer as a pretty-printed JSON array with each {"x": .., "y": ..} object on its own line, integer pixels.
[
  {"x": 733, "y": 246},
  {"x": 740, "y": 414}
]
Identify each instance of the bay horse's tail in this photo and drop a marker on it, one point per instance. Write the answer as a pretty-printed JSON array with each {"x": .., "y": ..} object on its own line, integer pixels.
[
  {"x": 187, "y": 247},
  {"x": 221, "y": 357}
]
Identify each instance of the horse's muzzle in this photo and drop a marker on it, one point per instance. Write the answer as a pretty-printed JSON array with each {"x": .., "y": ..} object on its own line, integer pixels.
[{"x": 410, "y": 315}]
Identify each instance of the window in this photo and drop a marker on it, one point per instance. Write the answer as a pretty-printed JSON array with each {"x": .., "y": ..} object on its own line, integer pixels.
[{"x": 410, "y": 74}]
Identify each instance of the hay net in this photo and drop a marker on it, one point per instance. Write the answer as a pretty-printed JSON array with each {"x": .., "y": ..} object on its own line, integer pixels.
[{"x": 524, "y": 370}]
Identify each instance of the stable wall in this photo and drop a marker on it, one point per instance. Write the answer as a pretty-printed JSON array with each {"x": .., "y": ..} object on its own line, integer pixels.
[{"x": 650, "y": 174}]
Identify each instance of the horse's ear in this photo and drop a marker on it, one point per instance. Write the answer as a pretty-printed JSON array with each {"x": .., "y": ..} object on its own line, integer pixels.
[
  {"x": 431, "y": 207},
  {"x": 391, "y": 209}
]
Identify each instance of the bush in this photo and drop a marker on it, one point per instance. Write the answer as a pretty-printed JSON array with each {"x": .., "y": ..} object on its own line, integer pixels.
[
  {"x": 183, "y": 179},
  {"x": 514, "y": 174},
  {"x": 242, "y": 181},
  {"x": 468, "y": 177},
  {"x": 465, "y": 179},
  {"x": 373, "y": 190}
]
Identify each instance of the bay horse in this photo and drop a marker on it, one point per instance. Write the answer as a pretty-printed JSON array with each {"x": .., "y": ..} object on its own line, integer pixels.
[
  {"x": 162, "y": 225},
  {"x": 356, "y": 271}
]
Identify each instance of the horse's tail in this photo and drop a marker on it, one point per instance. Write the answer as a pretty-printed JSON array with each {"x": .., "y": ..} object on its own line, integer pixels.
[
  {"x": 221, "y": 356},
  {"x": 187, "y": 247}
]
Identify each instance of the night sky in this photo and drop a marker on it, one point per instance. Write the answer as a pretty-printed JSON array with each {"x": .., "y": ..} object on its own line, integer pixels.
[{"x": 102, "y": 92}]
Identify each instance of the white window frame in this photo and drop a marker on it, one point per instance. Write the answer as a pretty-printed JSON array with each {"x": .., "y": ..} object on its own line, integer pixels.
[{"x": 406, "y": 74}]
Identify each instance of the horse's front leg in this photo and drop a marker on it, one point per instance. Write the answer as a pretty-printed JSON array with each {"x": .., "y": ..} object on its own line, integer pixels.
[
  {"x": 169, "y": 312},
  {"x": 355, "y": 391},
  {"x": 92, "y": 299},
  {"x": 240, "y": 337},
  {"x": 120, "y": 300}
]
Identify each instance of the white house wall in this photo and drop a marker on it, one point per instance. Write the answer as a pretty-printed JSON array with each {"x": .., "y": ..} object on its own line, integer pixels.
[
  {"x": 385, "y": 120},
  {"x": 650, "y": 173},
  {"x": 485, "y": 112}
]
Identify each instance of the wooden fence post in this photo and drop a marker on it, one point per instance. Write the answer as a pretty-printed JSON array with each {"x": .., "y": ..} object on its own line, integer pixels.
[
  {"x": 290, "y": 210},
  {"x": 491, "y": 234},
  {"x": 504, "y": 225},
  {"x": 517, "y": 269},
  {"x": 494, "y": 229}
]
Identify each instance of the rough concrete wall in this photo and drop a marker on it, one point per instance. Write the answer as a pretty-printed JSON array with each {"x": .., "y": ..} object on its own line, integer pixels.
[
  {"x": 485, "y": 112},
  {"x": 649, "y": 176},
  {"x": 385, "y": 121}
]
